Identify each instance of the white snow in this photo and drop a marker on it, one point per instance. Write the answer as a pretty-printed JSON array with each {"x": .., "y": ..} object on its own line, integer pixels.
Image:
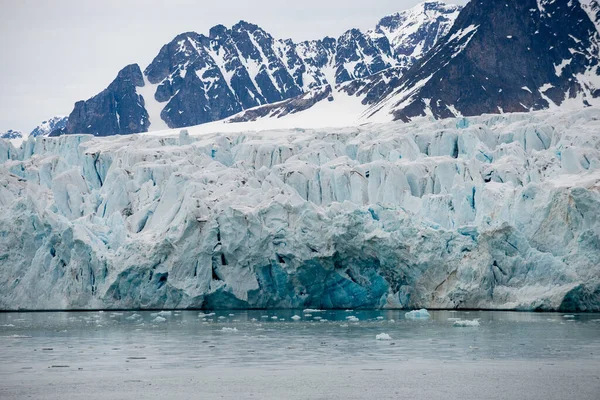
[{"x": 153, "y": 107}]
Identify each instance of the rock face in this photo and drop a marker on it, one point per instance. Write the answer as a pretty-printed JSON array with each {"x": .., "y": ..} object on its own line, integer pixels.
[
  {"x": 197, "y": 79},
  {"x": 496, "y": 211},
  {"x": 118, "y": 110},
  {"x": 10, "y": 134},
  {"x": 49, "y": 126},
  {"x": 507, "y": 56}
]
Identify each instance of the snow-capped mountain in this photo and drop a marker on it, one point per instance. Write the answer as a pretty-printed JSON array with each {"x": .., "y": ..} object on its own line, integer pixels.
[
  {"x": 494, "y": 212},
  {"x": 11, "y": 134},
  {"x": 47, "y": 127},
  {"x": 197, "y": 79},
  {"x": 509, "y": 56},
  {"x": 498, "y": 57}
]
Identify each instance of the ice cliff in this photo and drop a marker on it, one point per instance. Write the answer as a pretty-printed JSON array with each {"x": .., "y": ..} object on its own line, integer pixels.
[{"x": 494, "y": 212}]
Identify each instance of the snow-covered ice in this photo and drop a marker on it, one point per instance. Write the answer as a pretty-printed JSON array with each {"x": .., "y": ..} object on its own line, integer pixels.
[{"x": 495, "y": 212}]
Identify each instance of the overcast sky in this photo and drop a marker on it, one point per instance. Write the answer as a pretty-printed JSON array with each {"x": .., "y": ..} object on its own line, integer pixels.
[{"x": 57, "y": 52}]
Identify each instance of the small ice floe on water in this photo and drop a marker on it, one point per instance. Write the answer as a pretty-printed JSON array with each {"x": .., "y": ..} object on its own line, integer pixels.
[
  {"x": 253, "y": 320},
  {"x": 232, "y": 315},
  {"x": 317, "y": 318},
  {"x": 417, "y": 314},
  {"x": 159, "y": 319},
  {"x": 17, "y": 337},
  {"x": 7, "y": 326},
  {"x": 349, "y": 310},
  {"x": 323, "y": 320},
  {"x": 264, "y": 316},
  {"x": 343, "y": 325},
  {"x": 464, "y": 323},
  {"x": 568, "y": 316},
  {"x": 164, "y": 313},
  {"x": 133, "y": 316},
  {"x": 296, "y": 318},
  {"x": 226, "y": 329},
  {"x": 352, "y": 318},
  {"x": 392, "y": 320},
  {"x": 221, "y": 317},
  {"x": 379, "y": 318},
  {"x": 202, "y": 315},
  {"x": 453, "y": 319},
  {"x": 311, "y": 310},
  {"x": 274, "y": 317},
  {"x": 383, "y": 336}
]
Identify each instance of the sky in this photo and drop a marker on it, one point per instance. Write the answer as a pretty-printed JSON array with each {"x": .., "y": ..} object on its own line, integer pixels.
[{"x": 55, "y": 53}]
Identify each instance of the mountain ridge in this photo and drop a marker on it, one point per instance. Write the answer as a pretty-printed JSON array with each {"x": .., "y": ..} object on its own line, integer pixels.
[{"x": 196, "y": 79}]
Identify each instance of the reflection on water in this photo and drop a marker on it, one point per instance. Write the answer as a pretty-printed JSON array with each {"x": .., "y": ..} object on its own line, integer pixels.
[{"x": 185, "y": 339}]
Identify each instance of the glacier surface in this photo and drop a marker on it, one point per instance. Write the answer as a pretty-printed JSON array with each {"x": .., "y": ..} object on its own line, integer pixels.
[{"x": 489, "y": 212}]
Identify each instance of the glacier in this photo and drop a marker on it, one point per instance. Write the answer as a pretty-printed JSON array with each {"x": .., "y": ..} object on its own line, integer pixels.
[{"x": 487, "y": 212}]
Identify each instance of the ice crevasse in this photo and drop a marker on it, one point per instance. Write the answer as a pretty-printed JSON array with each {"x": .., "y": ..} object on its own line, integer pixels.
[{"x": 491, "y": 212}]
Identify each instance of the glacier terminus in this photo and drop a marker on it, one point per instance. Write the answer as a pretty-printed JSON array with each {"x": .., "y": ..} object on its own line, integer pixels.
[{"x": 487, "y": 212}]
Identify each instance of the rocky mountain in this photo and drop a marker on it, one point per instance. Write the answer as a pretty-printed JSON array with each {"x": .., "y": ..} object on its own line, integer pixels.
[
  {"x": 504, "y": 56},
  {"x": 49, "y": 126},
  {"x": 197, "y": 79},
  {"x": 10, "y": 134},
  {"x": 498, "y": 57}
]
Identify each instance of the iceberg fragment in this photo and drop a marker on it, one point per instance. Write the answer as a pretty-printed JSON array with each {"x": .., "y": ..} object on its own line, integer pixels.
[{"x": 417, "y": 314}]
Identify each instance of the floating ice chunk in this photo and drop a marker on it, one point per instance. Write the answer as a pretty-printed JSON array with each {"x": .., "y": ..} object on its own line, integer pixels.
[
  {"x": 202, "y": 315},
  {"x": 349, "y": 310},
  {"x": 568, "y": 316},
  {"x": 274, "y": 317},
  {"x": 226, "y": 329},
  {"x": 159, "y": 319},
  {"x": 296, "y": 318},
  {"x": 352, "y": 318},
  {"x": 462, "y": 323},
  {"x": 7, "y": 325},
  {"x": 312, "y": 310},
  {"x": 232, "y": 315},
  {"x": 453, "y": 319},
  {"x": 253, "y": 320},
  {"x": 379, "y": 318},
  {"x": 343, "y": 325},
  {"x": 308, "y": 315},
  {"x": 383, "y": 336},
  {"x": 221, "y": 317},
  {"x": 164, "y": 313},
  {"x": 417, "y": 314},
  {"x": 392, "y": 320}
]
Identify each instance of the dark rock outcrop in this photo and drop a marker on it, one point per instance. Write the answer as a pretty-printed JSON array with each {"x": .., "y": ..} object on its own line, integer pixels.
[{"x": 116, "y": 110}]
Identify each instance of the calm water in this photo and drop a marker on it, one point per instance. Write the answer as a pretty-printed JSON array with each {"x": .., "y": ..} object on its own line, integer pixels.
[
  {"x": 36, "y": 345},
  {"x": 108, "y": 339}
]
